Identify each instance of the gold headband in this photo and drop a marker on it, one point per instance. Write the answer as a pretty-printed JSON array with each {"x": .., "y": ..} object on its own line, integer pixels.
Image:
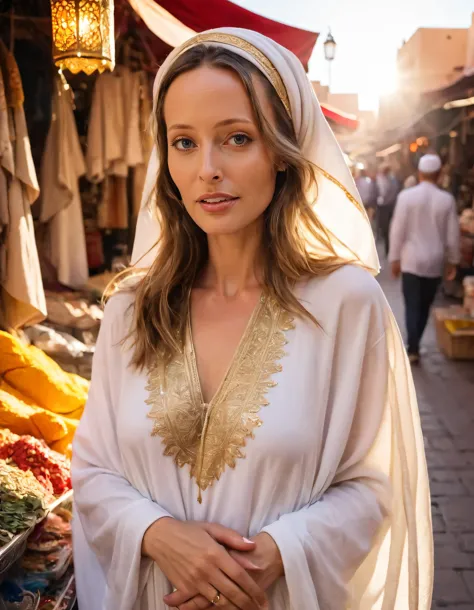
[
  {"x": 265, "y": 64},
  {"x": 275, "y": 79}
]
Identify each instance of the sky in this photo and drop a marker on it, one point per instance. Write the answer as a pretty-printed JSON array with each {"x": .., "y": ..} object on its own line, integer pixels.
[{"x": 368, "y": 34}]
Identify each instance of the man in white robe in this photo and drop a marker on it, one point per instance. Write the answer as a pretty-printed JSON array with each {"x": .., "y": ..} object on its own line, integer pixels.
[{"x": 424, "y": 236}]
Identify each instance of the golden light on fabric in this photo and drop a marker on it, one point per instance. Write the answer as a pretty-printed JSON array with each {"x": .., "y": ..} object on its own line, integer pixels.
[{"x": 83, "y": 35}]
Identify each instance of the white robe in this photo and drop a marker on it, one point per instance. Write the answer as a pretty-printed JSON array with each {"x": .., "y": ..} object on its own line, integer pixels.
[
  {"x": 114, "y": 142},
  {"x": 315, "y": 477},
  {"x": 62, "y": 166}
]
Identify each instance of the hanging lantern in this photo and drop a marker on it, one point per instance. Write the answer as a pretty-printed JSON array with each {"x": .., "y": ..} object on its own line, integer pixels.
[{"x": 83, "y": 35}]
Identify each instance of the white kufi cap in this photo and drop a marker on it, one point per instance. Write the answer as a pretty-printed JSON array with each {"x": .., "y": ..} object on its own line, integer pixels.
[{"x": 429, "y": 164}]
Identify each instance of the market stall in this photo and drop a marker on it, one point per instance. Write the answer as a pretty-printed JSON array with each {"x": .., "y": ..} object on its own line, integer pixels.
[
  {"x": 36, "y": 569},
  {"x": 40, "y": 407},
  {"x": 74, "y": 148}
]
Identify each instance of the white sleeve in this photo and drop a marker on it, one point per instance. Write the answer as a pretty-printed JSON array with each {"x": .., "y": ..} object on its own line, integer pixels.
[
  {"x": 398, "y": 230},
  {"x": 453, "y": 250},
  {"x": 113, "y": 515},
  {"x": 323, "y": 544}
]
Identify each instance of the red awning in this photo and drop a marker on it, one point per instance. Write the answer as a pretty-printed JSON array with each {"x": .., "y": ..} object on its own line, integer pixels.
[
  {"x": 208, "y": 14},
  {"x": 339, "y": 118}
]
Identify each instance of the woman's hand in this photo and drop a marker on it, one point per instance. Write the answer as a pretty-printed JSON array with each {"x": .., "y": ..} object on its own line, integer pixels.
[
  {"x": 265, "y": 556},
  {"x": 192, "y": 557}
]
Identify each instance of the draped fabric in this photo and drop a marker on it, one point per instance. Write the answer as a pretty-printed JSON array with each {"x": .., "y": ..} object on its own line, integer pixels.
[
  {"x": 62, "y": 166},
  {"x": 116, "y": 142},
  {"x": 175, "y": 21},
  {"x": 23, "y": 299}
]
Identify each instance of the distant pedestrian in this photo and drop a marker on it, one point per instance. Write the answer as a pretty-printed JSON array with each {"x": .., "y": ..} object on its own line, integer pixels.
[
  {"x": 367, "y": 191},
  {"x": 388, "y": 188},
  {"x": 424, "y": 240},
  {"x": 410, "y": 182}
]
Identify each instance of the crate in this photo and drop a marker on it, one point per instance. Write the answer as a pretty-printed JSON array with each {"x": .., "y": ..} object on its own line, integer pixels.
[{"x": 458, "y": 345}]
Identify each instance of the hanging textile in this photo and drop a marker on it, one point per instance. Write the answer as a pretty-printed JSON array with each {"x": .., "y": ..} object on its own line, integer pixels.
[
  {"x": 139, "y": 174},
  {"x": 62, "y": 165},
  {"x": 114, "y": 142},
  {"x": 6, "y": 166},
  {"x": 23, "y": 300}
]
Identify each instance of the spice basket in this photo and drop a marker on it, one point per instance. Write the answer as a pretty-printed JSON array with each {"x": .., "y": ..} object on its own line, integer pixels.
[{"x": 11, "y": 552}]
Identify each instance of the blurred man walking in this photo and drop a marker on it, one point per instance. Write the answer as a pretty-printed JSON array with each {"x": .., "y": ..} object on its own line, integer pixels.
[{"x": 424, "y": 241}]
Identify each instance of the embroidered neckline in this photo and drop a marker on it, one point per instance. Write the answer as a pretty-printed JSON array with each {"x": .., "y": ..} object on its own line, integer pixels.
[{"x": 207, "y": 438}]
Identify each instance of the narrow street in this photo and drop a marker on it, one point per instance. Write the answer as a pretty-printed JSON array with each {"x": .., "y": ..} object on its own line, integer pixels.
[{"x": 445, "y": 389}]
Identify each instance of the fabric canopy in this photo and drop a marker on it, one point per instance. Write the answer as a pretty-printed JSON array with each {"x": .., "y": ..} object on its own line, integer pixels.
[
  {"x": 176, "y": 20},
  {"x": 463, "y": 87},
  {"x": 337, "y": 118}
]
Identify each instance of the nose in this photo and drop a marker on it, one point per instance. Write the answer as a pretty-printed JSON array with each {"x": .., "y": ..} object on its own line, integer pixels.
[{"x": 210, "y": 170}]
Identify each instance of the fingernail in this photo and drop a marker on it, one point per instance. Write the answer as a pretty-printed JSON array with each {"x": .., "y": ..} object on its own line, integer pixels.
[{"x": 248, "y": 541}]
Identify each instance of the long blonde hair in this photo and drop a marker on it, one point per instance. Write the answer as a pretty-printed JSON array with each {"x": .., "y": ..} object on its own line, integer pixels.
[{"x": 161, "y": 295}]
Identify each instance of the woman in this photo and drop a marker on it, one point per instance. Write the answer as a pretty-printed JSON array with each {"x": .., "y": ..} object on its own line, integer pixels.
[{"x": 251, "y": 438}]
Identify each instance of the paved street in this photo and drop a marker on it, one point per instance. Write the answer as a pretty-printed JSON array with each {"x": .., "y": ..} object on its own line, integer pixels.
[{"x": 446, "y": 398}]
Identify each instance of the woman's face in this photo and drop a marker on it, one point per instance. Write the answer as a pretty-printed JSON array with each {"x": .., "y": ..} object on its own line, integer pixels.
[{"x": 216, "y": 155}]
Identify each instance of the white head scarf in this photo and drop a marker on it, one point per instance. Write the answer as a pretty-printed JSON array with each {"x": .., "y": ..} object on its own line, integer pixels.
[
  {"x": 338, "y": 203},
  {"x": 397, "y": 573}
]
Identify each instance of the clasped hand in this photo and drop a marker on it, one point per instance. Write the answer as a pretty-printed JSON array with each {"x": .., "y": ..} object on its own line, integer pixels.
[{"x": 204, "y": 559}]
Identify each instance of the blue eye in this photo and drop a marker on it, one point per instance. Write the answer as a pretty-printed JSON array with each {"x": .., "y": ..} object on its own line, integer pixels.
[
  {"x": 183, "y": 144},
  {"x": 240, "y": 139}
]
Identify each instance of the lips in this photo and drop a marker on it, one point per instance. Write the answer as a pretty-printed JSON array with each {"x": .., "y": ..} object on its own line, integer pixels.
[{"x": 217, "y": 202}]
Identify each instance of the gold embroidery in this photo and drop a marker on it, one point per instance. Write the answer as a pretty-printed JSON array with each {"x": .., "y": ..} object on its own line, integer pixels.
[
  {"x": 221, "y": 428},
  {"x": 267, "y": 67}
]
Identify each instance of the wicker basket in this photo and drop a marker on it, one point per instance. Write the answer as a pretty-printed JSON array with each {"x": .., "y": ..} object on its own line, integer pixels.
[{"x": 458, "y": 345}]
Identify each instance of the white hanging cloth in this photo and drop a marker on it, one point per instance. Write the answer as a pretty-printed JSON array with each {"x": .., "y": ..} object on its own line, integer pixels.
[
  {"x": 114, "y": 142},
  {"x": 23, "y": 299},
  {"x": 62, "y": 166}
]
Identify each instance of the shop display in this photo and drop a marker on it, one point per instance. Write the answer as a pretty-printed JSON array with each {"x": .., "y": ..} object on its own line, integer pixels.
[
  {"x": 14, "y": 598},
  {"x": 40, "y": 379},
  {"x": 61, "y": 596},
  {"x": 23, "y": 501},
  {"x": 43, "y": 577},
  {"x": 35, "y": 526},
  {"x": 455, "y": 332},
  {"x": 51, "y": 469},
  {"x": 37, "y": 397}
]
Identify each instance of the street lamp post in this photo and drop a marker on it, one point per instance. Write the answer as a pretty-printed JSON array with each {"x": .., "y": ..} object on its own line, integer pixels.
[{"x": 329, "y": 54}]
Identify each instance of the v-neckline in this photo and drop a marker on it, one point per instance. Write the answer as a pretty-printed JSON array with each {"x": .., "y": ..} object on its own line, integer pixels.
[{"x": 196, "y": 380}]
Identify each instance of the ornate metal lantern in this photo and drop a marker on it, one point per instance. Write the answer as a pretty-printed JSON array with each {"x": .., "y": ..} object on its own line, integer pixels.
[{"x": 83, "y": 35}]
